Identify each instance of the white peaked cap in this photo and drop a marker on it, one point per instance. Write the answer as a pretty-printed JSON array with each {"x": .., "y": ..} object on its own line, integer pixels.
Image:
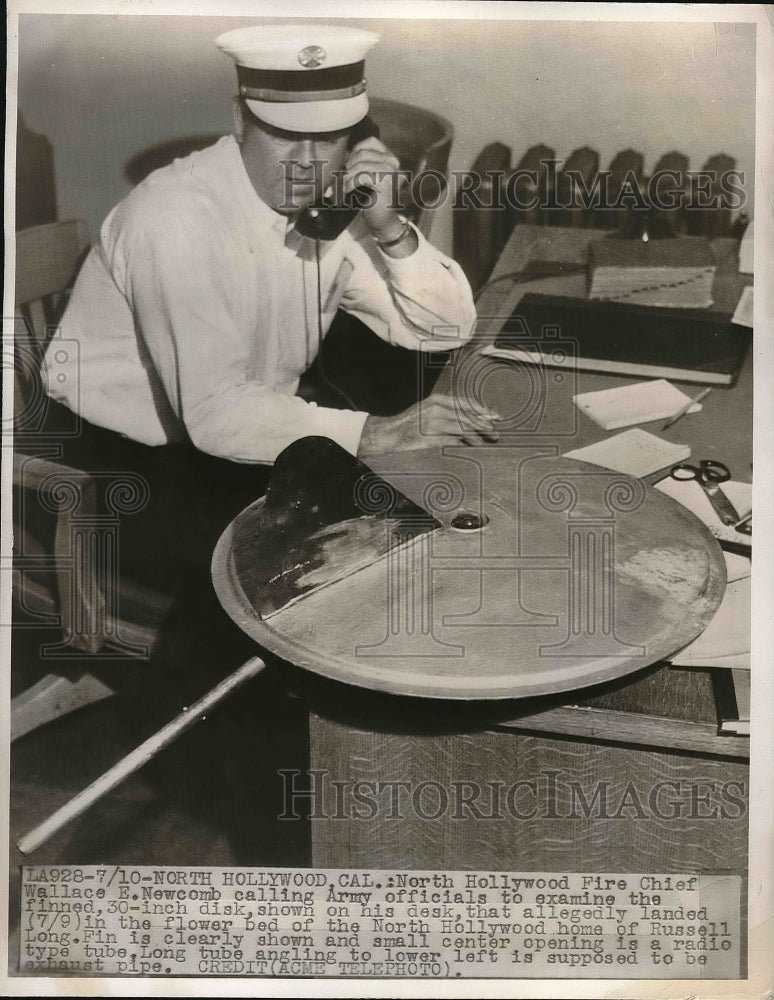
[{"x": 302, "y": 77}]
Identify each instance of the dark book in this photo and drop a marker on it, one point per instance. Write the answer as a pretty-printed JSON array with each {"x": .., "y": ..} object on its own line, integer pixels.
[
  {"x": 732, "y": 697},
  {"x": 692, "y": 345}
]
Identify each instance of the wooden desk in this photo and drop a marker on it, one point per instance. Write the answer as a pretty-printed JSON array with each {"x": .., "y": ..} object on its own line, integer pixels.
[
  {"x": 657, "y": 726},
  {"x": 566, "y": 802},
  {"x": 722, "y": 430},
  {"x": 630, "y": 776}
]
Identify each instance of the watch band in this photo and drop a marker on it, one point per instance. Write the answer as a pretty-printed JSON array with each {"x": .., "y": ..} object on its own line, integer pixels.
[{"x": 397, "y": 239}]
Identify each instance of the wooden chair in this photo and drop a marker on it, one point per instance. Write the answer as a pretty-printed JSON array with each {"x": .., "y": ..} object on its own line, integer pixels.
[
  {"x": 422, "y": 141},
  {"x": 419, "y": 138},
  {"x": 62, "y": 577}
]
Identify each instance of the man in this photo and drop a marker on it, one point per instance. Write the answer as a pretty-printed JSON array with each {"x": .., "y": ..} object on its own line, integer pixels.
[
  {"x": 201, "y": 307},
  {"x": 196, "y": 315}
]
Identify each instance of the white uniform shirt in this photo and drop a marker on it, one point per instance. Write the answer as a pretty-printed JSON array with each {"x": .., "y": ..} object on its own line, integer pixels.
[{"x": 193, "y": 317}]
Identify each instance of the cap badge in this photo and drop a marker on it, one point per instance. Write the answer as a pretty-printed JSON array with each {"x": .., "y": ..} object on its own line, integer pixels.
[{"x": 312, "y": 56}]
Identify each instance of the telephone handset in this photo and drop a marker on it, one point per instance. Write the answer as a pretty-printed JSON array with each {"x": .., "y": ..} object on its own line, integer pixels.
[{"x": 326, "y": 219}]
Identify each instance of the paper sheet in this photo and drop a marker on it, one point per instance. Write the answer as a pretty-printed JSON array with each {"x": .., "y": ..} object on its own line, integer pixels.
[
  {"x": 634, "y": 452},
  {"x": 633, "y": 404},
  {"x": 725, "y": 642},
  {"x": 746, "y": 254},
  {"x": 743, "y": 316}
]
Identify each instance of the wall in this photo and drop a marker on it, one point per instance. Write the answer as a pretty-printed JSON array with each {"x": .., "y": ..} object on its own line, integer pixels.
[{"x": 103, "y": 88}]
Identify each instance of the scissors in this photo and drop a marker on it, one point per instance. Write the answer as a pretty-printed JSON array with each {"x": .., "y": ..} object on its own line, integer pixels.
[{"x": 709, "y": 474}]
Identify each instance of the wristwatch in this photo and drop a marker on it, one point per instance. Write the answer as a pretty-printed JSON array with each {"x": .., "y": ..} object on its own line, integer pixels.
[{"x": 405, "y": 230}]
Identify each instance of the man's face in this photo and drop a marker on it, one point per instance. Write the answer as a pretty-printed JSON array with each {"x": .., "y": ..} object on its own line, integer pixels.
[{"x": 290, "y": 170}]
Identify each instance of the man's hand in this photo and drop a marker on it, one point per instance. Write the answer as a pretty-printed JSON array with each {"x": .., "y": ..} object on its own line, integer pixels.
[
  {"x": 371, "y": 165},
  {"x": 435, "y": 421}
]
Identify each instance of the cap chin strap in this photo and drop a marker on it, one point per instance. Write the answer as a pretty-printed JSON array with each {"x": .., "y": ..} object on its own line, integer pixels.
[{"x": 301, "y": 96}]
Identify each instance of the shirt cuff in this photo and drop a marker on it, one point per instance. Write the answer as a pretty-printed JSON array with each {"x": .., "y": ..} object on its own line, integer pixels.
[
  {"x": 422, "y": 245},
  {"x": 345, "y": 427}
]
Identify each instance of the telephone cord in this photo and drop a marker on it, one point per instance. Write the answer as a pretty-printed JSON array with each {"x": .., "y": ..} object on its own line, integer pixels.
[{"x": 320, "y": 365}]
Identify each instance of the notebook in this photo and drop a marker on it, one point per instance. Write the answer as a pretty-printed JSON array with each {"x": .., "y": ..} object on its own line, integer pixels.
[
  {"x": 633, "y": 404},
  {"x": 692, "y": 345},
  {"x": 635, "y": 452},
  {"x": 733, "y": 699},
  {"x": 675, "y": 272}
]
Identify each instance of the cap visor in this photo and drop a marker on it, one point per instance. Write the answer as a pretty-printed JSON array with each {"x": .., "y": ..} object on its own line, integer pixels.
[{"x": 311, "y": 116}]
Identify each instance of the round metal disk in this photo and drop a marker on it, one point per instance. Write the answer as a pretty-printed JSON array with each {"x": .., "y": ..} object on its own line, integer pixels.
[{"x": 579, "y": 575}]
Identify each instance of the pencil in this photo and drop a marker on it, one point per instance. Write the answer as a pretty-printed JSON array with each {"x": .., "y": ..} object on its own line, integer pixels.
[{"x": 682, "y": 412}]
